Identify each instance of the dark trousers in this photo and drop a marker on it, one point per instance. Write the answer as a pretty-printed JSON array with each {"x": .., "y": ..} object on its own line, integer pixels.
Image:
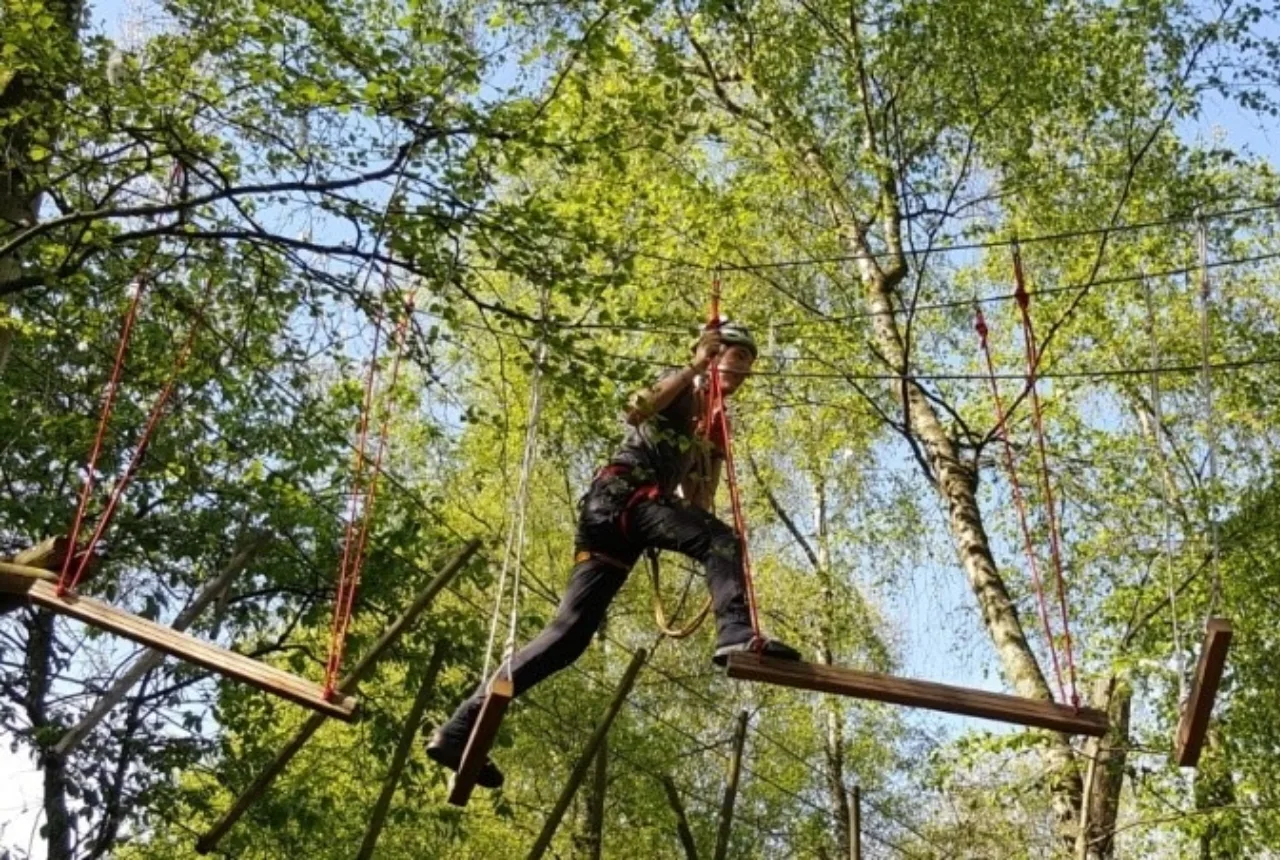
[{"x": 667, "y": 524}]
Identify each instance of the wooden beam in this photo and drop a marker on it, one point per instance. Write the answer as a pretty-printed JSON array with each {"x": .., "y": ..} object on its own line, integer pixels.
[
  {"x": 47, "y": 555},
  {"x": 725, "y": 826},
  {"x": 17, "y": 579},
  {"x": 682, "y": 820},
  {"x": 483, "y": 734},
  {"x": 362, "y": 670},
  {"x": 212, "y": 591},
  {"x": 1204, "y": 690},
  {"x": 919, "y": 694},
  {"x": 187, "y": 647},
  {"x": 408, "y": 735},
  {"x": 579, "y": 773},
  {"x": 855, "y": 823}
]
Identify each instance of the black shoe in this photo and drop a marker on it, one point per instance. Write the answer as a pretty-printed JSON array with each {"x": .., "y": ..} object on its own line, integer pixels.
[
  {"x": 769, "y": 648},
  {"x": 447, "y": 753}
]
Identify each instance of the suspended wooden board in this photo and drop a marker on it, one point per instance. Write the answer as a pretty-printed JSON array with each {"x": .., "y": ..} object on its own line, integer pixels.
[
  {"x": 1204, "y": 690},
  {"x": 39, "y": 587},
  {"x": 919, "y": 694},
  {"x": 483, "y": 734}
]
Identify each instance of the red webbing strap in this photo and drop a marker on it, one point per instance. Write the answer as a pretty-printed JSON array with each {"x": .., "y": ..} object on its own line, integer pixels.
[
  {"x": 148, "y": 432},
  {"x": 66, "y": 580},
  {"x": 980, "y": 324},
  {"x": 1023, "y": 298}
]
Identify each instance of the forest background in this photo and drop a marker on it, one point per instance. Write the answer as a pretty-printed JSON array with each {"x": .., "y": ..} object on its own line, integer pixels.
[{"x": 284, "y": 176}]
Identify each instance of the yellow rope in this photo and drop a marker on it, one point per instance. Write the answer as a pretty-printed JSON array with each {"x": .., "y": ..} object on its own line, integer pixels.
[{"x": 660, "y": 615}]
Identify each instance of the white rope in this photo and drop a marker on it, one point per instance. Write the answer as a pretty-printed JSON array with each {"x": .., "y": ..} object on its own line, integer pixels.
[
  {"x": 1206, "y": 396},
  {"x": 1157, "y": 417},
  {"x": 513, "y": 553}
]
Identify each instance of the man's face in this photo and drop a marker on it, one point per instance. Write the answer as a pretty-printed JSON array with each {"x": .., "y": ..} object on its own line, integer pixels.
[{"x": 735, "y": 365}]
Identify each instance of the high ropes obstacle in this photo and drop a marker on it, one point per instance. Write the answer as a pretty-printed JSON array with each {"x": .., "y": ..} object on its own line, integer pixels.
[{"x": 47, "y": 576}]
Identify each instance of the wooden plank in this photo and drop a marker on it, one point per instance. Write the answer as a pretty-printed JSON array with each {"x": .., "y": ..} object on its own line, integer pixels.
[
  {"x": 150, "y": 659},
  {"x": 483, "y": 734},
  {"x": 191, "y": 649},
  {"x": 209, "y": 841},
  {"x": 1198, "y": 708},
  {"x": 918, "y": 694}
]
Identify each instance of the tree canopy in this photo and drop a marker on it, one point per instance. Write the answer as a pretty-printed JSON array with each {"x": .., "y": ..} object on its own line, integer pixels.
[{"x": 559, "y": 184}]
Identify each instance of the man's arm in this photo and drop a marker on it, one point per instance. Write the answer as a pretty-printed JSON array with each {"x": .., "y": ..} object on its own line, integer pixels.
[{"x": 645, "y": 404}]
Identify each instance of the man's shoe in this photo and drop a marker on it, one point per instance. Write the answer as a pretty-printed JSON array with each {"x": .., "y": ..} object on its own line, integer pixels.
[
  {"x": 767, "y": 648},
  {"x": 448, "y": 753}
]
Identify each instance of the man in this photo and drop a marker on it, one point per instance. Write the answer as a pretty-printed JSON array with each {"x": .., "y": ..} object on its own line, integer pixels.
[{"x": 656, "y": 491}]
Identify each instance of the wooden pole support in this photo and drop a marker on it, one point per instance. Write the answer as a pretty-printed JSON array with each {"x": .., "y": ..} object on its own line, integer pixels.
[
  {"x": 48, "y": 554},
  {"x": 725, "y": 826},
  {"x": 682, "y": 821},
  {"x": 362, "y": 669},
  {"x": 152, "y": 658},
  {"x": 1204, "y": 690},
  {"x": 855, "y": 823},
  {"x": 919, "y": 694},
  {"x": 579, "y": 773},
  {"x": 483, "y": 733},
  {"x": 411, "y": 724}
]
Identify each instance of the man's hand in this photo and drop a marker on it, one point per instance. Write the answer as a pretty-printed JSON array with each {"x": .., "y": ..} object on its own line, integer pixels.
[{"x": 709, "y": 346}]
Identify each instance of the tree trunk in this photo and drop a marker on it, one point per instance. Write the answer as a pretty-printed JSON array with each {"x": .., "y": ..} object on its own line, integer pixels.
[
  {"x": 957, "y": 482},
  {"x": 58, "y": 827},
  {"x": 1107, "y": 757},
  {"x": 1215, "y": 788},
  {"x": 28, "y": 112}
]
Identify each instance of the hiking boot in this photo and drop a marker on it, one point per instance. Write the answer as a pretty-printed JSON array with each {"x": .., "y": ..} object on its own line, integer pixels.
[
  {"x": 765, "y": 647},
  {"x": 447, "y": 752}
]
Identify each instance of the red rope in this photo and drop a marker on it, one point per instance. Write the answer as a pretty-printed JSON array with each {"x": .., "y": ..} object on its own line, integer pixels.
[
  {"x": 65, "y": 580},
  {"x": 346, "y": 592},
  {"x": 338, "y": 647},
  {"x": 1019, "y": 501},
  {"x": 1023, "y": 299},
  {"x": 148, "y": 432},
  {"x": 716, "y": 411}
]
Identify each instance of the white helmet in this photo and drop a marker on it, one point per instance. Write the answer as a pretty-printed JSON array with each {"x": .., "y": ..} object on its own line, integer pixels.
[{"x": 732, "y": 334}]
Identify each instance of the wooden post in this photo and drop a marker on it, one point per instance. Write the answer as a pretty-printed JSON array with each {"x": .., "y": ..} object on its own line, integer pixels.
[
  {"x": 403, "y": 748},
  {"x": 389, "y": 637},
  {"x": 1204, "y": 689},
  {"x": 682, "y": 822},
  {"x": 483, "y": 734},
  {"x": 855, "y": 823},
  {"x": 595, "y": 802},
  {"x": 152, "y": 658},
  {"x": 579, "y": 773},
  {"x": 731, "y": 789},
  {"x": 919, "y": 694}
]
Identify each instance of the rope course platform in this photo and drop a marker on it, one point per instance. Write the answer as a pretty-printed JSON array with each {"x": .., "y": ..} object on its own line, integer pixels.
[
  {"x": 39, "y": 587},
  {"x": 919, "y": 694}
]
